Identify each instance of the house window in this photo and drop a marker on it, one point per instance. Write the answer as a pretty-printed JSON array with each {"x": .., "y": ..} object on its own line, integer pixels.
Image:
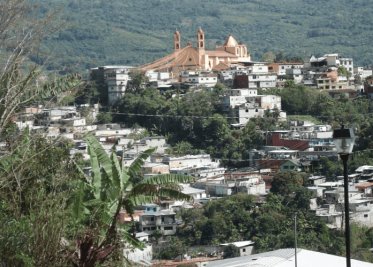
[
  {"x": 365, "y": 215},
  {"x": 168, "y": 228},
  {"x": 152, "y": 219},
  {"x": 244, "y": 250}
]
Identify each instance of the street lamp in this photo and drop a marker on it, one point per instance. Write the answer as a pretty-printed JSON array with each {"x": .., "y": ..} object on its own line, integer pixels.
[{"x": 344, "y": 140}]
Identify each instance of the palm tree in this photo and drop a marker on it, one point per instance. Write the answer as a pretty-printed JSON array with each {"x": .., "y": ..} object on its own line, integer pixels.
[{"x": 100, "y": 197}]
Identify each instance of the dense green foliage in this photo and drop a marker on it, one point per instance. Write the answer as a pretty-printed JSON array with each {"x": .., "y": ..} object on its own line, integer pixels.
[
  {"x": 191, "y": 122},
  {"x": 34, "y": 193},
  {"x": 271, "y": 224},
  {"x": 195, "y": 121},
  {"x": 135, "y": 32},
  {"x": 357, "y": 112}
]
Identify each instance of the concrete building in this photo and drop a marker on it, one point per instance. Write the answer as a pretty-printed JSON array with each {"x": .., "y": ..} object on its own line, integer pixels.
[
  {"x": 256, "y": 106},
  {"x": 348, "y": 63},
  {"x": 247, "y": 111},
  {"x": 245, "y": 247},
  {"x": 113, "y": 79},
  {"x": 117, "y": 80},
  {"x": 237, "y": 97},
  {"x": 330, "y": 215},
  {"x": 150, "y": 168},
  {"x": 251, "y": 184},
  {"x": 330, "y": 80},
  {"x": 199, "y": 79},
  {"x": 266, "y": 80},
  {"x": 361, "y": 211},
  {"x": 156, "y": 219},
  {"x": 190, "y": 161},
  {"x": 282, "y": 68},
  {"x": 295, "y": 74},
  {"x": 363, "y": 73}
]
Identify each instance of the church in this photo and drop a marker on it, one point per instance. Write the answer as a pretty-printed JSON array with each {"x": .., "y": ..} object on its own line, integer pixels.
[{"x": 198, "y": 58}]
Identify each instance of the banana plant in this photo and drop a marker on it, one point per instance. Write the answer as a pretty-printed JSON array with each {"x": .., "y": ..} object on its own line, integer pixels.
[{"x": 110, "y": 187}]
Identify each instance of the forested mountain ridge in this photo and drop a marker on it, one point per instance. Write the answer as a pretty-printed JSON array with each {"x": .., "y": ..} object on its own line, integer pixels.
[{"x": 132, "y": 32}]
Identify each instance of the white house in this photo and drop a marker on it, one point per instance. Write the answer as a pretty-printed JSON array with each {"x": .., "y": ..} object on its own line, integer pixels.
[
  {"x": 348, "y": 63},
  {"x": 362, "y": 211},
  {"x": 265, "y": 80},
  {"x": 190, "y": 161},
  {"x": 237, "y": 97},
  {"x": 245, "y": 247},
  {"x": 205, "y": 79},
  {"x": 363, "y": 73},
  {"x": 247, "y": 111}
]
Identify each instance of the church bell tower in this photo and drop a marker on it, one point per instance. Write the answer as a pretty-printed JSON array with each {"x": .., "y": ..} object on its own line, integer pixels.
[
  {"x": 200, "y": 39},
  {"x": 177, "y": 40}
]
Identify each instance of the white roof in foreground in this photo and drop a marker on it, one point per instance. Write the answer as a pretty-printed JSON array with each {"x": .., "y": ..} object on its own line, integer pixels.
[{"x": 285, "y": 258}]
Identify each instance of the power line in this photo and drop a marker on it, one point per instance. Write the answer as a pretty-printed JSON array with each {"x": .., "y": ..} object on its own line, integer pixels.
[
  {"x": 228, "y": 117},
  {"x": 169, "y": 116}
]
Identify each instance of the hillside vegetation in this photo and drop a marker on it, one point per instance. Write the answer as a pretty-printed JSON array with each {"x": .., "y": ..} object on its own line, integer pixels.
[{"x": 132, "y": 32}]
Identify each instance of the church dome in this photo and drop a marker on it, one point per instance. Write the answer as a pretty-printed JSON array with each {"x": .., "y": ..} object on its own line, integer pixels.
[{"x": 230, "y": 41}]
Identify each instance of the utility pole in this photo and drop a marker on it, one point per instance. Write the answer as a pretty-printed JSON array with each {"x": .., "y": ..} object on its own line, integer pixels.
[{"x": 295, "y": 239}]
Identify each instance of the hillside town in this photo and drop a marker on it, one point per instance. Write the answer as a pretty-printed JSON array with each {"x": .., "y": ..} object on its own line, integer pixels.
[{"x": 296, "y": 147}]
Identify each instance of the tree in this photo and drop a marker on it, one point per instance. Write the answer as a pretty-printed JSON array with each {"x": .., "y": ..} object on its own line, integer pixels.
[
  {"x": 35, "y": 179},
  {"x": 104, "y": 117},
  {"x": 183, "y": 148},
  {"x": 342, "y": 71},
  {"x": 286, "y": 182},
  {"x": 100, "y": 197},
  {"x": 171, "y": 250},
  {"x": 137, "y": 81},
  {"x": 269, "y": 57},
  {"x": 20, "y": 82}
]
